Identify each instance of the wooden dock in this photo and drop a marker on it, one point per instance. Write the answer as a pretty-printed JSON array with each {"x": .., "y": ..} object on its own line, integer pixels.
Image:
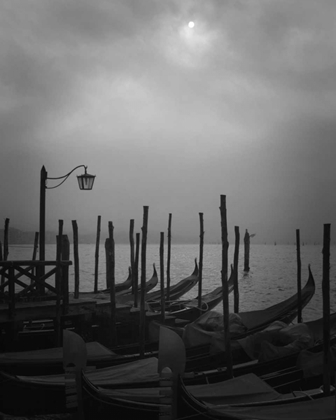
[{"x": 33, "y": 291}]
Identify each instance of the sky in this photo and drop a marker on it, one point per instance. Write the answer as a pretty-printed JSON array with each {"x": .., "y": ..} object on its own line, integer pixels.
[{"x": 170, "y": 117}]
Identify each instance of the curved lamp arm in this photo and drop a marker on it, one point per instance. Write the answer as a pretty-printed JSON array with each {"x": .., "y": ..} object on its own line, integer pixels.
[{"x": 64, "y": 177}]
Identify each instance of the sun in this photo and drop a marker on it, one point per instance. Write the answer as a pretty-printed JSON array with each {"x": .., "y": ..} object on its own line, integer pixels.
[{"x": 191, "y": 24}]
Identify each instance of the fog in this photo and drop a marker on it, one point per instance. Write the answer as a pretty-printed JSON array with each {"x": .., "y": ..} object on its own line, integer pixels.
[{"x": 170, "y": 117}]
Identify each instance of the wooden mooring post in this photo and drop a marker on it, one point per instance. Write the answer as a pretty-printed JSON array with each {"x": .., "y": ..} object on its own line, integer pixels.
[
  {"x": 298, "y": 262},
  {"x": 97, "y": 255},
  {"x": 4, "y": 253},
  {"x": 35, "y": 247},
  {"x": 326, "y": 309},
  {"x": 246, "y": 251},
  {"x": 2, "y": 279},
  {"x": 235, "y": 270},
  {"x": 142, "y": 326},
  {"x": 200, "y": 267},
  {"x": 76, "y": 258},
  {"x": 169, "y": 255},
  {"x": 136, "y": 268},
  {"x": 224, "y": 276},
  {"x": 6, "y": 236},
  {"x": 162, "y": 277},
  {"x": 58, "y": 280},
  {"x": 112, "y": 285},
  {"x": 131, "y": 241}
]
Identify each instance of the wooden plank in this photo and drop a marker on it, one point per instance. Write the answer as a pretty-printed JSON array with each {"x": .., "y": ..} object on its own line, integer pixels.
[
  {"x": 30, "y": 263},
  {"x": 46, "y": 309}
]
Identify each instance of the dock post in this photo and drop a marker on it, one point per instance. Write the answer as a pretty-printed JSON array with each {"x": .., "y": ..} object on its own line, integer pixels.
[
  {"x": 246, "y": 251},
  {"x": 200, "y": 271},
  {"x": 235, "y": 270},
  {"x": 169, "y": 256},
  {"x": 326, "y": 309},
  {"x": 112, "y": 285},
  {"x": 97, "y": 256},
  {"x": 4, "y": 255},
  {"x": 225, "y": 246},
  {"x": 2, "y": 278},
  {"x": 298, "y": 258},
  {"x": 58, "y": 284},
  {"x": 76, "y": 258},
  {"x": 107, "y": 259},
  {"x": 131, "y": 240},
  {"x": 136, "y": 268},
  {"x": 142, "y": 326},
  {"x": 6, "y": 252},
  {"x": 162, "y": 277},
  {"x": 11, "y": 291},
  {"x": 36, "y": 237},
  {"x": 65, "y": 274}
]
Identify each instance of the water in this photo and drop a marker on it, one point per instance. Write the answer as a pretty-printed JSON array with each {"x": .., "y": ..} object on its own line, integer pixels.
[{"x": 272, "y": 277}]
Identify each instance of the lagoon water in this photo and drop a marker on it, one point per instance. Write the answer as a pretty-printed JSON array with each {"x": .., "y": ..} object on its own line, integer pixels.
[{"x": 271, "y": 279}]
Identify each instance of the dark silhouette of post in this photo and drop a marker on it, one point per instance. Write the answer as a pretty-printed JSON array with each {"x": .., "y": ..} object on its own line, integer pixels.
[
  {"x": 43, "y": 179},
  {"x": 114, "y": 340},
  {"x": 131, "y": 241},
  {"x": 162, "y": 277},
  {"x": 35, "y": 248},
  {"x": 76, "y": 258},
  {"x": 142, "y": 327},
  {"x": 235, "y": 270},
  {"x": 224, "y": 276},
  {"x": 200, "y": 273},
  {"x": 97, "y": 255},
  {"x": 247, "y": 251},
  {"x": 136, "y": 268},
  {"x": 58, "y": 284},
  {"x": 168, "y": 256},
  {"x": 5, "y": 246},
  {"x": 298, "y": 258},
  {"x": 326, "y": 309}
]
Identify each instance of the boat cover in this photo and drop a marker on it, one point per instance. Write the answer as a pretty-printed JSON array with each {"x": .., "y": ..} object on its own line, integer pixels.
[
  {"x": 246, "y": 388},
  {"x": 321, "y": 409},
  {"x": 208, "y": 326},
  {"x": 139, "y": 371},
  {"x": 95, "y": 351},
  {"x": 312, "y": 364},
  {"x": 243, "y": 389},
  {"x": 277, "y": 340}
]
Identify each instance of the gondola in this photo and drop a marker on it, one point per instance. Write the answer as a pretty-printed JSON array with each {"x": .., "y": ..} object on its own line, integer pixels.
[
  {"x": 119, "y": 382},
  {"x": 49, "y": 361},
  {"x": 199, "y": 335},
  {"x": 200, "y": 357},
  {"x": 127, "y": 296},
  {"x": 176, "y": 291},
  {"x": 248, "y": 397},
  {"x": 188, "y": 310},
  {"x": 118, "y": 287},
  {"x": 313, "y": 405},
  {"x": 30, "y": 363}
]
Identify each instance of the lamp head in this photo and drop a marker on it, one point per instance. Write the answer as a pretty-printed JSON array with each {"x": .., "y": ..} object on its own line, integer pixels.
[{"x": 86, "y": 181}]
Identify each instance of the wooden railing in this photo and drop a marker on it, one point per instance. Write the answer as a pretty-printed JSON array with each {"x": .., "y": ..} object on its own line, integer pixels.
[{"x": 37, "y": 288}]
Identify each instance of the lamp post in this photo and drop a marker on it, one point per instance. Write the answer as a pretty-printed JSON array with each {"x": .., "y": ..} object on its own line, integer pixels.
[{"x": 85, "y": 182}]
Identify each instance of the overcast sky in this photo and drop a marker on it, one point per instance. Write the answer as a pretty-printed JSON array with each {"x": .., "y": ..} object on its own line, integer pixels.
[{"x": 171, "y": 117}]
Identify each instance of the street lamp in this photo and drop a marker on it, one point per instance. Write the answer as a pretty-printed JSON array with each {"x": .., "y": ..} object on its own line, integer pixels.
[{"x": 85, "y": 182}]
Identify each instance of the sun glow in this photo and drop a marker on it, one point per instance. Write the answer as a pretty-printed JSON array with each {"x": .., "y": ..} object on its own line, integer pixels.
[{"x": 191, "y": 24}]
